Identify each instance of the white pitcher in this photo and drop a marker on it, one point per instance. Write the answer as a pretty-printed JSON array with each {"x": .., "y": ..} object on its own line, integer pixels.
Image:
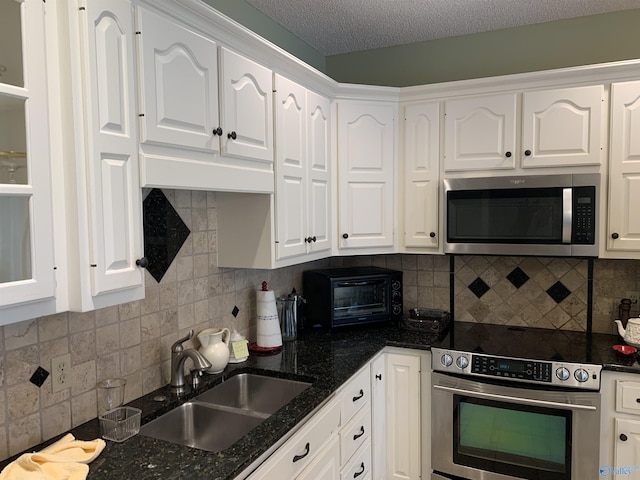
[{"x": 215, "y": 347}]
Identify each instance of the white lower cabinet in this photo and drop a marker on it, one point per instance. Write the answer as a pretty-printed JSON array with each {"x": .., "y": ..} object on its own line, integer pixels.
[
  {"x": 397, "y": 415},
  {"x": 620, "y": 426},
  {"x": 371, "y": 429}
]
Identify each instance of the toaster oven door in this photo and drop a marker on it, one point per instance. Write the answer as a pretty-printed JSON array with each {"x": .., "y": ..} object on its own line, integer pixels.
[{"x": 361, "y": 300}]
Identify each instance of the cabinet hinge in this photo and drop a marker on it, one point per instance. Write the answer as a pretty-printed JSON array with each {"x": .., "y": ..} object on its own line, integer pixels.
[
  {"x": 93, "y": 265},
  {"x": 141, "y": 114},
  {"x": 138, "y": 33}
]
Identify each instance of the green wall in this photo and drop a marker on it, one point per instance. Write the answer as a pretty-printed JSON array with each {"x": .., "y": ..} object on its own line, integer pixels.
[
  {"x": 256, "y": 21},
  {"x": 564, "y": 43}
]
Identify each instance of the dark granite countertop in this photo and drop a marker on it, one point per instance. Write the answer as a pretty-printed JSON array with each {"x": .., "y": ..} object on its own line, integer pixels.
[{"x": 329, "y": 360}]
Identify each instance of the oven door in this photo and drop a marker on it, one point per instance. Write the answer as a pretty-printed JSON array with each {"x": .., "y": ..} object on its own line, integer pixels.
[{"x": 497, "y": 431}]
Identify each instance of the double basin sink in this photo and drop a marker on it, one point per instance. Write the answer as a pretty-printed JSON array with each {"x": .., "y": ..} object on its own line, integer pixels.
[{"x": 219, "y": 417}]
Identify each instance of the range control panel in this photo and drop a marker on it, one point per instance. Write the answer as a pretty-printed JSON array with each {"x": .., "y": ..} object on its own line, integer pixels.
[{"x": 557, "y": 374}]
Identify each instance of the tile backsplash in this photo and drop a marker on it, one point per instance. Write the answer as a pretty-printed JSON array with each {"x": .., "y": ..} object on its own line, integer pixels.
[{"x": 133, "y": 340}]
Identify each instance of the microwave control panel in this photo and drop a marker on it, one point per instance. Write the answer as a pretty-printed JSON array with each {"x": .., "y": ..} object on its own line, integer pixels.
[
  {"x": 553, "y": 373},
  {"x": 584, "y": 216}
]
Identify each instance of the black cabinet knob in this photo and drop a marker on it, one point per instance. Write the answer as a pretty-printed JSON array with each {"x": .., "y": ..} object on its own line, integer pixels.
[
  {"x": 232, "y": 135},
  {"x": 217, "y": 131},
  {"x": 308, "y": 240},
  {"x": 345, "y": 235},
  {"x": 313, "y": 239},
  {"x": 508, "y": 154},
  {"x": 615, "y": 236},
  {"x": 432, "y": 234},
  {"x": 623, "y": 437},
  {"x": 527, "y": 153},
  {"x": 142, "y": 262}
]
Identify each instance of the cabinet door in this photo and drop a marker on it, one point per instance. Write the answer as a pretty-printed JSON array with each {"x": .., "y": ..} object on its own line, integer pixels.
[
  {"x": 378, "y": 417},
  {"x": 403, "y": 416},
  {"x": 627, "y": 448},
  {"x": 480, "y": 133},
  {"x": 421, "y": 150},
  {"x": 291, "y": 168},
  {"x": 26, "y": 229},
  {"x": 179, "y": 84},
  {"x": 326, "y": 466},
  {"x": 114, "y": 184},
  {"x": 319, "y": 170},
  {"x": 562, "y": 127},
  {"x": 246, "y": 108},
  {"x": 366, "y": 149},
  {"x": 624, "y": 168}
]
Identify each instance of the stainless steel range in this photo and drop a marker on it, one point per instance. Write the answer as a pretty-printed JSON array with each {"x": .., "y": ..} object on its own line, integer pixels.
[{"x": 504, "y": 418}]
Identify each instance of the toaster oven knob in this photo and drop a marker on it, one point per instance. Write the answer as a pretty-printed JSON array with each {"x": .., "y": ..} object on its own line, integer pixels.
[
  {"x": 581, "y": 375},
  {"x": 462, "y": 362},
  {"x": 446, "y": 360},
  {"x": 562, "y": 373}
]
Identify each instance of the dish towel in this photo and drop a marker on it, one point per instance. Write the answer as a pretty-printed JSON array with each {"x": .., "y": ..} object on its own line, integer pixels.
[{"x": 65, "y": 459}]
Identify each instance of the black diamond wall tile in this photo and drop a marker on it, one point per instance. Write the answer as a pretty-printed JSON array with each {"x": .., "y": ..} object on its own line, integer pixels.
[
  {"x": 39, "y": 376},
  {"x": 558, "y": 292},
  {"x": 517, "y": 277},
  {"x": 164, "y": 233},
  {"x": 479, "y": 287},
  {"x": 235, "y": 311}
]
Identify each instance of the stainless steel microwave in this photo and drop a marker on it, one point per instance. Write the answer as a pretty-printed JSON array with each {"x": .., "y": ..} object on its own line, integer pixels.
[{"x": 550, "y": 215}]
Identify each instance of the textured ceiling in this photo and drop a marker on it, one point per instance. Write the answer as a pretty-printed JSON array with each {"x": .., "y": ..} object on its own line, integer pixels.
[{"x": 340, "y": 26}]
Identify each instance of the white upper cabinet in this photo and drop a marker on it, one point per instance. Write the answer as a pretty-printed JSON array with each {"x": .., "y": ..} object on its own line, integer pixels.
[
  {"x": 104, "y": 210},
  {"x": 206, "y": 112},
  {"x": 179, "y": 75},
  {"x": 366, "y": 167},
  {"x": 302, "y": 170},
  {"x": 246, "y": 108},
  {"x": 27, "y": 278},
  {"x": 480, "y": 133},
  {"x": 560, "y": 128},
  {"x": 421, "y": 175},
  {"x": 623, "y": 232}
]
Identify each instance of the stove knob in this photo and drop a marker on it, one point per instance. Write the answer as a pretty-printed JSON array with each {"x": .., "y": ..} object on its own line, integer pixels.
[
  {"x": 446, "y": 360},
  {"x": 462, "y": 362},
  {"x": 562, "y": 374},
  {"x": 581, "y": 375}
]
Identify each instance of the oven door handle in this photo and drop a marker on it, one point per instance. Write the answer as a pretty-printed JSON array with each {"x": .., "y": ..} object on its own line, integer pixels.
[{"x": 523, "y": 401}]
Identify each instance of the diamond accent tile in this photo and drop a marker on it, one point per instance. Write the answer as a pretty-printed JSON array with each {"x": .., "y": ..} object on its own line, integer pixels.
[
  {"x": 39, "y": 376},
  {"x": 164, "y": 233},
  {"x": 235, "y": 311},
  {"x": 558, "y": 292},
  {"x": 517, "y": 277},
  {"x": 479, "y": 287}
]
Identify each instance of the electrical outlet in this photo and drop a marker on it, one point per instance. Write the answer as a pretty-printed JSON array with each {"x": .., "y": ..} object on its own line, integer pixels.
[
  {"x": 633, "y": 296},
  {"x": 60, "y": 372}
]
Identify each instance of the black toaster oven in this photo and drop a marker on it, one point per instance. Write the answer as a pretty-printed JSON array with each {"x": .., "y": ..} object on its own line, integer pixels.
[{"x": 340, "y": 297}]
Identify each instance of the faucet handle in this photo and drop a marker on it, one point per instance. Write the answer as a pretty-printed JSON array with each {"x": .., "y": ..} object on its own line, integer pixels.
[{"x": 177, "y": 346}]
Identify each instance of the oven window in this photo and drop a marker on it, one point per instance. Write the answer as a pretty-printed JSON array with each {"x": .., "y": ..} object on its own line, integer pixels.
[
  {"x": 519, "y": 440},
  {"x": 505, "y": 216},
  {"x": 360, "y": 298}
]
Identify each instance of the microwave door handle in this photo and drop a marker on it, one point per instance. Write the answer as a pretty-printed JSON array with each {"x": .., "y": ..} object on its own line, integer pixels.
[
  {"x": 358, "y": 284},
  {"x": 566, "y": 215}
]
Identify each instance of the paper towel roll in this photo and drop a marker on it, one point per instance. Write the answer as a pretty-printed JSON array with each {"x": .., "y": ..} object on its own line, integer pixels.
[{"x": 268, "y": 328}]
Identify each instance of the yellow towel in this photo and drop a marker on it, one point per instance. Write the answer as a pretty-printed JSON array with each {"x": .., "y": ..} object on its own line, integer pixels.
[{"x": 65, "y": 459}]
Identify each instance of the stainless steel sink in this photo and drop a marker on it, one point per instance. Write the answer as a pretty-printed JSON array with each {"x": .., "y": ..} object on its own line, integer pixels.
[
  {"x": 219, "y": 417},
  {"x": 255, "y": 393}
]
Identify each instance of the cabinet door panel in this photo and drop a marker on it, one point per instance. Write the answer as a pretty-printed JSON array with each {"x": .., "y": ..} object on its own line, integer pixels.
[
  {"x": 421, "y": 148},
  {"x": 627, "y": 451},
  {"x": 115, "y": 197},
  {"x": 624, "y": 167},
  {"x": 562, "y": 127},
  {"x": 318, "y": 159},
  {"x": 480, "y": 133},
  {"x": 179, "y": 78},
  {"x": 366, "y": 170},
  {"x": 246, "y": 104},
  {"x": 291, "y": 168}
]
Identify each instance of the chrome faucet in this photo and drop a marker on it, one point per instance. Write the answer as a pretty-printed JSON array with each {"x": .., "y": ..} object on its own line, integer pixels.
[{"x": 178, "y": 356}]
